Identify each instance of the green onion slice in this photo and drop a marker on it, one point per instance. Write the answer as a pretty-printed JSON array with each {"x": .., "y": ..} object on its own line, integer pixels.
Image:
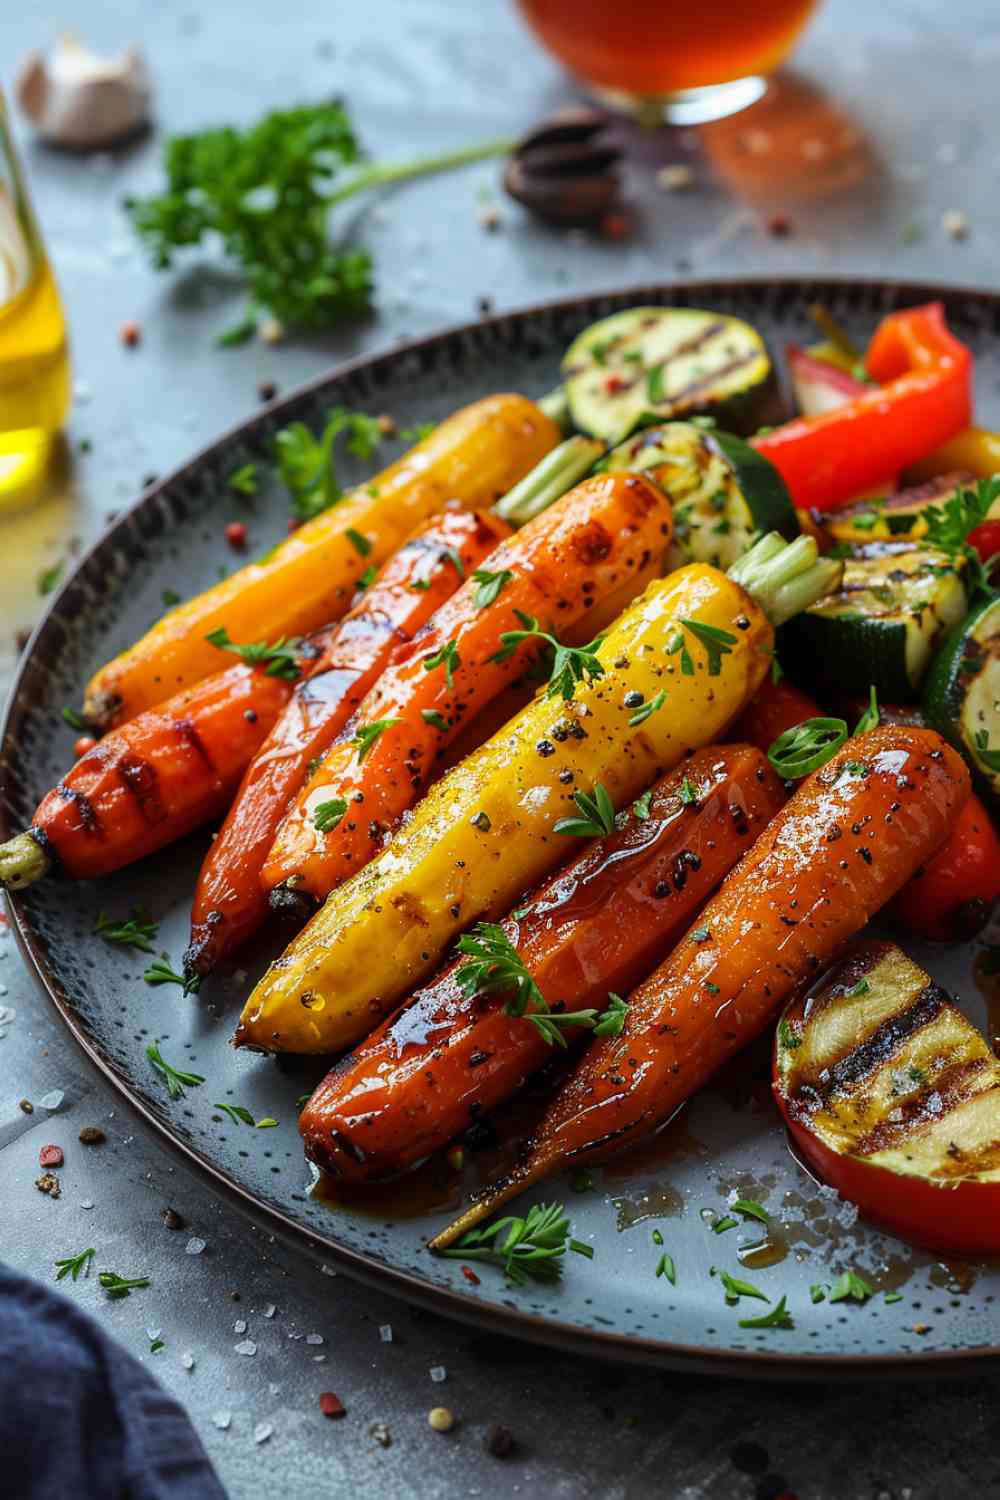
[{"x": 806, "y": 747}]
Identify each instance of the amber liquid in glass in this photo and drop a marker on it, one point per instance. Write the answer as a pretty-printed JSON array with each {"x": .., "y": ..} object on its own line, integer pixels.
[{"x": 661, "y": 47}]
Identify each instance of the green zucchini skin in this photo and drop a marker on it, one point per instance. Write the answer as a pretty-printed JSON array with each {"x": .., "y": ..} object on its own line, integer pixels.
[
  {"x": 723, "y": 492},
  {"x": 962, "y": 694},
  {"x": 649, "y": 364},
  {"x": 895, "y": 605}
]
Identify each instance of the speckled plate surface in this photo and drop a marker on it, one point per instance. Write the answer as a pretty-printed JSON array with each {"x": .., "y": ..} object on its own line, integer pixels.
[{"x": 947, "y": 1316}]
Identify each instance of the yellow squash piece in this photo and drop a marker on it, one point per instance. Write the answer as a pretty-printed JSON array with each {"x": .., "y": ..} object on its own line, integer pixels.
[
  {"x": 485, "y": 832},
  {"x": 475, "y": 456}
]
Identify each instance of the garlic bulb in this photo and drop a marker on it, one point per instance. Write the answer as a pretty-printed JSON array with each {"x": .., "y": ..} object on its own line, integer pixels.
[{"x": 75, "y": 98}]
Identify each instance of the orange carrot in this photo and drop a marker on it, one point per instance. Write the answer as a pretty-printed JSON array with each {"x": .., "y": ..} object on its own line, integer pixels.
[
  {"x": 229, "y": 903},
  {"x": 843, "y": 845},
  {"x": 596, "y": 926},
  {"x": 475, "y": 456},
  {"x": 583, "y": 547}
]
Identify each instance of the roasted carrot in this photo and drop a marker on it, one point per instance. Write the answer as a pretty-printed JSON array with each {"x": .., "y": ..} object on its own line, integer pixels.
[
  {"x": 600, "y": 535},
  {"x": 776, "y": 707},
  {"x": 599, "y": 925},
  {"x": 229, "y": 903},
  {"x": 844, "y": 844},
  {"x": 155, "y": 778},
  {"x": 474, "y": 456}
]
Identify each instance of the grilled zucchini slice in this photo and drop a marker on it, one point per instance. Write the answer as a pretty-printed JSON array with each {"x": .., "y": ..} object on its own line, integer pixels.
[
  {"x": 897, "y": 516},
  {"x": 648, "y": 364},
  {"x": 723, "y": 492},
  {"x": 962, "y": 697},
  {"x": 893, "y": 1098},
  {"x": 895, "y": 604}
]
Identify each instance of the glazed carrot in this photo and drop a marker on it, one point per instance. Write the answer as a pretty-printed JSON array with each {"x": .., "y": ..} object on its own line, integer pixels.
[
  {"x": 155, "y": 778},
  {"x": 597, "y": 926},
  {"x": 474, "y": 456},
  {"x": 229, "y": 903},
  {"x": 586, "y": 545},
  {"x": 776, "y": 707},
  {"x": 843, "y": 845}
]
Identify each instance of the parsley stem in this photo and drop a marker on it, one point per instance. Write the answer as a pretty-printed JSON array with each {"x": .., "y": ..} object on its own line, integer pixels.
[
  {"x": 381, "y": 175},
  {"x": 550, "y": 479}
]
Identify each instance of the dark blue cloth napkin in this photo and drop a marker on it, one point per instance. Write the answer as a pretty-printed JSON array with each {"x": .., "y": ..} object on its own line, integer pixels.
[{"x": 79, "y": 1418}]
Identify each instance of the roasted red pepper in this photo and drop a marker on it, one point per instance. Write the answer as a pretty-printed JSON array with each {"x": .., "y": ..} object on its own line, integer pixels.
[
  {"x": 923, "y": 398},
  {"x": 952, "y": 896}
]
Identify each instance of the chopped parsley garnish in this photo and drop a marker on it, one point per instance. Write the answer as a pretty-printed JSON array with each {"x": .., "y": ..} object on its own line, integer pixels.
[
  {"x": 446, "y": 657},
  {"x": 787, "y": 1037},
  {"x": 244, "y": 479},
  {"x": 491, "y": 585},
  {"x": 723, "y": 1223},
  {"x": 817, "y": 1293},
  {"x": 169, "y": 598},
  {"x": 432, "y": 716},
  {"x": 75, "y": 720},
  {"x": 717, "y": 643},
  {"x": 281, "y": 656},
  {"x": 50, "y": 577},
  {"x": 137, "y": 932},
  {"x": 155, "y": 1345},
  {"x": 641, "y": 805},
  {"x": 713, "y": 989},
  {"x": 654, "y": 383},
  {"x": 735, "y": 1289},
  {"x": 751, "y": 1209},
  {"x": 120, "y": 1286},
  {"x": 528, "y": 1249},
  {"x": 452, "y": 555},
  {"x": 850, "y": 1287},
  {"x": 328, "y": 814},
  {"x": 160, "y": 972},
  {"x": 665, "y": 1267},
  {"x": 612, "y": 1022},
  {"x": 598, "y": 815},
  {"x": 367, "y": 578},
  {"x": 778, "y": 1317},
  {"x": 241, "y": 1116},
  {"x": 861, "y": 988},
  {"x": 570, "y": 664},
  {"x": 358, "y": 541},
  {"x": 307, "y": 464},
  {"x": 642, "y": 714},
  {"x": 175, "y": 1079},
  {"x": 870, "y": 718},
  {"x": 75, "y": 1265},
  {"x": 369, "y": 734},
  {"x": 418, "y": 433},
  {"x": 687, "y": 793}
]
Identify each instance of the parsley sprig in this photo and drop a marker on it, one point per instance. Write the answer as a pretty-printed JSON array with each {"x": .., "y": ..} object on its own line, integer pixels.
[
  {"x": 75, "y": 1265},
  {"x": 491, "y": 585},
  {"x": 242, "y": 1116},
  {"x": 528, "y": 1249},
  {"x": 121, "y": 1286},
  {"x": 598, "y": 815},
  {"x": 447, "y": 656},
  {"x": 571, "y": 665},
  {"x": 716, "y": 641},
  {"x": 175, "y": 1079},
  {"x": 949, "y": 525},
  {"x": 160, "y": 972},
  {"x": 307, "y": 463},
  {"x": 329, "y": 814},
  {"x": 137, "y": 932},
  {"x": 368, "y": 736},
  {"x": 281, "y": 655}
]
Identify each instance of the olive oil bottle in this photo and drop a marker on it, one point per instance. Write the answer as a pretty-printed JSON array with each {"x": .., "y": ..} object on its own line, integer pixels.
[{"x": 34, "y": 358}]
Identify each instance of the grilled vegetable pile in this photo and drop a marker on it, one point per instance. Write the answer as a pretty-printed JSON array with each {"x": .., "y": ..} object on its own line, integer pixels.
[{"x": 604, "y": 747}]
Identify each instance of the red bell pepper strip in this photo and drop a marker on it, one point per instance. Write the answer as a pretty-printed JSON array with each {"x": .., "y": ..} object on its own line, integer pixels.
[{"x": 924, "y": 397}]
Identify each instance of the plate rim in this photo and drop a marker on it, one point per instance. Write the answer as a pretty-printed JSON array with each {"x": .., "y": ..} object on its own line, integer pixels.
[{"x": 453, "y": 1302}]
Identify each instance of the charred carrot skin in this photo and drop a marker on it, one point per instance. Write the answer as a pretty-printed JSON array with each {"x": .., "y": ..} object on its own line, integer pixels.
[
  {"x": 843, "y": 845},
  {"x": 597, "y": 926},
  {"x": 588, "y": 544},
  {"x": 229, "y": 902},
  {"x": 159, "y": 776},
  {"x": 476, "y": 455}
]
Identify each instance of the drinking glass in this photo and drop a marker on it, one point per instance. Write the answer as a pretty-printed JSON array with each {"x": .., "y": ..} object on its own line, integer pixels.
[{"x": 682, "y": 61}]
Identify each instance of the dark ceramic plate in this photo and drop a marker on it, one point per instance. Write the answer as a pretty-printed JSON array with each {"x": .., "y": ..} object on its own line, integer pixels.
[{"x": 612, "y": 1304}]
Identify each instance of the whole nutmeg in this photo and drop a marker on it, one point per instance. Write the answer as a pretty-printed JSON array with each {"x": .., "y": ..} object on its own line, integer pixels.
[{"x": 566, "y": 169}]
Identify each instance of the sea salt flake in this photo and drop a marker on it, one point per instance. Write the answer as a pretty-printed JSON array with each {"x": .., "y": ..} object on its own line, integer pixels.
[
  {"x": 247, "y": 1346},
  {"x": 52, "y": 1100},
  {"x": 240, "y": 1326},
  {"x": 319, "y": 1359},
  {"x": 270, "y": 1310},
  {"x": 87, "y": 1203},
  {"x": 262, "y": 1432},
  {"x": 314, "y": 1338},
  {"x": 385, "y": 1333},
  {"x": 153, "y": 1333},
  {"x": 194, "y": 1246},
  {"x": 327, "y": 1270},
  {"x": 187, "y": 1360},
  {"x": 222, "y": 1419},
  {"x": 438, "y": 1374}
]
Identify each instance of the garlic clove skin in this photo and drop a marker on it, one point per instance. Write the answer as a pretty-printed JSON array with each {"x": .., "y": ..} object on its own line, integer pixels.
[{"x": 76, "y": 99}]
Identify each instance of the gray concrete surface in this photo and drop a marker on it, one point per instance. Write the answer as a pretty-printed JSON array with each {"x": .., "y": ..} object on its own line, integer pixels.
[{"x": 916, "y": 83}]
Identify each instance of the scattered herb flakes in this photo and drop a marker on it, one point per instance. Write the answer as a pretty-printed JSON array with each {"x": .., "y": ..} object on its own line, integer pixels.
[
  {"x": 850, "y": 1287},
  {"x": 817, "y": 1293},
  {"x": 494, "y": 965},
  {"x": 75, "y": 720},
  {"x": 368, "y": 735},
  {"x": 641, "y": 805},
  {"x": 647, "y": 710},
  {"x": 160, "y": 972},
  {"x": 571, "y": 665},
  {"x": 665, "y": 1267},
  {"x": 447, "y": 656},
  {"x": 528, "y": 1249},
  {"x": 169, "y": 598},
  {"x": 175, "y": 1079},
  {"x": 579, "y": 1248},
  {"x": 75, "y": 1265},
  {"x": 734, "y": 1288},
  {"x": 244, "y": 480},
  {"x": 750, "y": 1209},
  {"x": 723, "y": 1222},
  {"x": 893, "y": 1297},
  {"x": 358, "y": 541},
  {"x": 156, "y": 1345},
  {"x": 870, "y": 718},
  {"x": 598, "y": 815},
  {"x": 491, "y": 585},
  {"x": 281, "y": 656},
  {"x": 137, "y": 932},
  {"x": 687, "y": 793},
  {"x": 613, "y": 1016},
  {"x": 237, "y": 1113},
  {"x": 367, "y": 578},
  {"x": 49, "y": 578},
  {"x": 433, "y": 716},
  {"x": 778, "y": 1317},
  {"x": 787, "y": 1037},
  {"x": 861, "y": 988},
  {"x": 417, "y": 433},
  {"x": 329, "y": 814},
  {"x": 717, "y": 642},
  {"x": 118, "y": 1287}
]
